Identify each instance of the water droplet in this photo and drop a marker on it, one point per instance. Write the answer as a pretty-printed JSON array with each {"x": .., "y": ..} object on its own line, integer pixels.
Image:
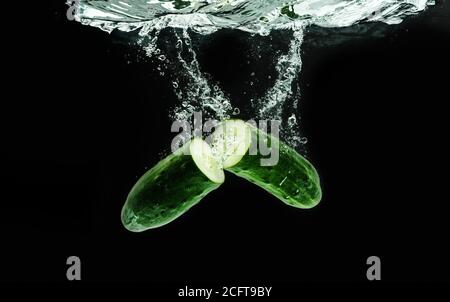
[{"x": 252, "y": 74}]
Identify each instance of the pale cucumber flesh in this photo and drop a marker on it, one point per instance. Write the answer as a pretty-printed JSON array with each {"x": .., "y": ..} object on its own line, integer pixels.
[
  {"x": 203, "y": 156},
  {"x": 231, "y": 141}
]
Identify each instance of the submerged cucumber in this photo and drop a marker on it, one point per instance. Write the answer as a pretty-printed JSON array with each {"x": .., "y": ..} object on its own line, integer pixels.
[
  {"x": 172, "y": 187},
  {"x": 292, "y": 179}
]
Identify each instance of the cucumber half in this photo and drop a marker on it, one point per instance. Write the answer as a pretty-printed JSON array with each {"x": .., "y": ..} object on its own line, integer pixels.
[
  {"x": 293, "y": 179},
  {"x": 172, "y": 187}
]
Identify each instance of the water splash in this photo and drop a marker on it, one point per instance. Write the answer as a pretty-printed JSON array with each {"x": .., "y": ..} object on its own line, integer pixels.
[
  {"x": 193, "y": 88},
  {"x": 197, "y": 92},
  {"x": 206, "y": 16},
  {"x": 272, "y": 105}
]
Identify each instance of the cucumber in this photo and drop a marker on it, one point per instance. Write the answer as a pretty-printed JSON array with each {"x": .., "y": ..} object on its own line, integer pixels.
[
  {"x": 293, "y": 179},
  {"x": 172, "y": 187}
]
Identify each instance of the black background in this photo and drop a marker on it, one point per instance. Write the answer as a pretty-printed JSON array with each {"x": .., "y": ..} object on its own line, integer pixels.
[{"x": 84, "y": 114}]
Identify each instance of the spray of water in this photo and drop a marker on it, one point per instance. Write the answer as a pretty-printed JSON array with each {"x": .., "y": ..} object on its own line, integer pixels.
[
  {"x": 206, "y": 16},
  {"x": 274, "y": 103},
  {"x": 193, "y": 88},
  {"x": 197, "y": 94}
]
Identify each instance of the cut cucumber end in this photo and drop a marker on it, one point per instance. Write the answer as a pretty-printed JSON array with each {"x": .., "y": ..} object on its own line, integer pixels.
[
  {"x": 231, "y": 141},
  {"x": 203, "y": 157}
]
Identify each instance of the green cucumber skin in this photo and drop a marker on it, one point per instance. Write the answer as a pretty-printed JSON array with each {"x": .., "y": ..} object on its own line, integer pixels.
[
  {"x": 165, "y": 192},
  {"x": 293, "y": 179}
]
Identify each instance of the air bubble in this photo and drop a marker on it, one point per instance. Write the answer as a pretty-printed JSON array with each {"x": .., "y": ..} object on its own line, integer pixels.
[{"x": 292, "y": 120}]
